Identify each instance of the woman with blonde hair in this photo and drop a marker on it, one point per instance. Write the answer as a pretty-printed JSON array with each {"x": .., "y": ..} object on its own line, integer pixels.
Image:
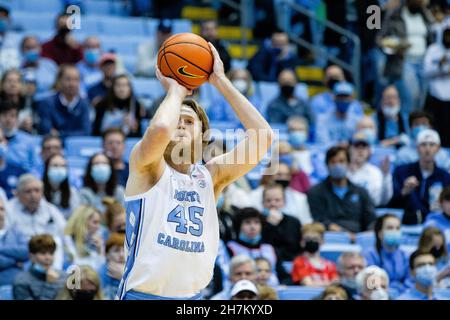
[
  {"x": 83, "y": 237},
  {"x": 89, "y": 286},
  {"x": 334, "y": 292}
]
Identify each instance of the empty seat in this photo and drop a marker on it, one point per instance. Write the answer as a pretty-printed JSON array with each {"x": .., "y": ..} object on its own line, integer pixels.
[
  {"x": 181, "y": 25},
  {"x": 38, "y": 6},
  {"x": 6, "y": 292},
  {"x": 101, "y": 7},
  {"x": 365, "y": 239},
  {"x": 129, "y": 61},
  {"x": 299, "y": 293},
  {"x": 145, "y": 87},
  {"x": 32, "y": 22},
  {"x": 82, "y": 146},
  {"x": 337, "y": 237},
  {"x": 332, "y": 251},
  {"x": 122, "y": 45},
  {"x": 397, "y": 212},
  {"x": 123, "y": 26},
  {"x": 91, "y": 25}
]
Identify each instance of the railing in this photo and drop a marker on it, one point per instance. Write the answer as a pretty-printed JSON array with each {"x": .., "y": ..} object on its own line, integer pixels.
[{"x": 353, "y": 68}]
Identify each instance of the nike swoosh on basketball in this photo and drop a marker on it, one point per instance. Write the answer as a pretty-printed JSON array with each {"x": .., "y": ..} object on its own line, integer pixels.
[{"x": 187, "y": 74}]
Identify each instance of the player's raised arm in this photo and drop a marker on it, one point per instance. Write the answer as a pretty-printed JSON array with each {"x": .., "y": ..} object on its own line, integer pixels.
[
  {"x": 148, "y": 153},
  {"x": 225, "y": 168}
]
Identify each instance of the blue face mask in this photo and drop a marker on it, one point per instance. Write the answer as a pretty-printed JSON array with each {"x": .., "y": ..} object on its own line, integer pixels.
[
  {"x": 92, "y": 56},
  {"x": 38, "y": 268},
  {"x": 56, "y": 175},
  {"x": 426, "y": 275},
  {"x": 101, "y": 173},
  {"x": 392, "y": 238},
  {"x": 246, "y": 239},
  {"x": 297, "y": 138},
  {"x": 3, "y": 150},
  {"x": 416, "y": 130},
  {"x": 31, "y": 56},
  {"x": 220, "y": 201},
  {"x": 338, "y": 171},
  {"x": 342, "y": 106}
]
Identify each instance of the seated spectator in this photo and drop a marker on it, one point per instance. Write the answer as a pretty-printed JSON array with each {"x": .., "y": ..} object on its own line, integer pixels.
[
  {"x": 376, "y": 288},
  {"x": 40, "y": 68},
  {"x": 9, "y": 56},
  {"x": 387, "y": 253},
  {"x": 13, "y": 249},
  {"x": 90, "y": 288},
  {"x": 280, "y": 230},
  {"x": 12, "y": 90},
  {"x": 249, "y": 241},
  {"x": 241, "y": 267},
  {"x": 441, "y": 219},
  {"x": 90, "y": 72},
  {"x": 244, "y": 290},
  {"x": 364, "y": 174},
  {"x": 111, "y": 272},
  {"x": 100, "y": 180},
  {"x": 337, "y": 202},
  {"x": 368, "y": 127},
  {"x": 114, "y": 148},
  {"x": 274, "y": 56},
  {"x": 310, "y": 269},
  {"x": 28, "y": 117},
  {"x": 287, "y": 104},
  {"x": 423, "y": 269},
  {"x": 417, "y": 185},
  {"x": 57, "y": 189},
  {"x": 334, "y": 292},
  {"x": 338, "y": 125},
  {"x": 418, "y": 121},
  {"x": 296, "y": 204},
  {"x": 227, "y": 231},
  {"x": 264, "y": 273},
  {"x": 62, "y": 48},
  {"x": 324, "y": 102},
  {"x": 9, "y": 172},
  {"x": 114, "y": 216},
  {"x": 349, "y": 264},
  {"x": 266, "y": 292},
  {"x": 108, "y": 66},
  {"x": 147, "y": 52},
  {"x": 51, "y": 145},
  {"x": 83, "y": 238},
  {"x": 392, "y": 129},
  {"x": 119, "y": 109},
  {"x": 209, "y": 30},
  {"x": 21, "y": 148},
  {"x": 65, "y": 112},
  {"x": 40, "y": 281}
]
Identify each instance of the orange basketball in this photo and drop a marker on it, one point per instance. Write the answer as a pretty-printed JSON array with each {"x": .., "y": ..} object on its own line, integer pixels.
[{"x": 186, "y": 58}]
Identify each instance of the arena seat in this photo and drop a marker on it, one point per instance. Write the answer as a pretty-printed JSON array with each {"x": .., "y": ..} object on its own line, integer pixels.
[
  {"x": 101, "y": 7},
  {"x": 337, "y": 237},
  {"x": 127, "y": 45},
  {"x": 442, "y": 293},
  {"x": 6, "y": 292},
  {"x": 37, "y": 6},
  {"x": 181, "y": 25},
  {"x": 332, "y": 251},
  {"x": 397, "y": 212},
  {"x": 299, "y": 293},
  {"x": 267, "y": 91},
  {"x": 129, "y": 61},
  {"x": 365, "y": 239},
  {"x": 121, "y": 26},
  {"x": 129, "y": 144},
  {"x": 33, "y": 22},
  {"x": 82, "y": 146},
  {"x": 146, "y": 87}
]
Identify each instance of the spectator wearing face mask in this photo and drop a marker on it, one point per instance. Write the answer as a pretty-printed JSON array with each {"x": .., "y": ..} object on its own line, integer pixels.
[
  {"x": 111, "y": 272},
  {"x": 298, "y": 133},
  {"x": 441, "y": 219},
  {"x": 418, "y": 121},
  {"x": 57, "y": 189},
  {"x": 89, "y": 69},
  {"x": 417, "y": 185},
  {"x": 349, "y": 264},
  {"x": 287, "y": 104},
  {"x": 274, "y": 56},
  {"x": 423, "y": 270},
  {"x": 280, "y": 230},
  {"x": 42, "y": 69},
  {"x": 387, "y": 253},
  {"x": 364, "y": 174},
  {"x": 90, "y": 288},
  {"x": 391, "y": 124},
  {"x": 338, "y": 203},
  {"x": 372, "y": 284},
  {"x": 100, "y": 180},
  {"x": 437, "y": 68},
  {"x": 337, "y": 126},
  {"x": 62, "y": 48},
  {"x": 310, "y": 269},
  {"x": 40, "y": 281},
  {"x": 209, "y": 30}
]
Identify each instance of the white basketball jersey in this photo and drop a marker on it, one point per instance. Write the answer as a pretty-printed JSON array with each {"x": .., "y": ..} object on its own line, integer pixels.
[{"x": 172, "y": 235}]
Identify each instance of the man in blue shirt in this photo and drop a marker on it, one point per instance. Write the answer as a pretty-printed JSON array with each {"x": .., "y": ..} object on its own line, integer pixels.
[
  {"x": 89, "y": 69},
  {"x": 417, "y": 185},
  {"x": 21, "y": 148},
  {"x": 107, "y": 65},
  {"x": 423, "y": 269},
  {"x": 65, "y": 112},
  {"x": 338, "y": 125},
  {"x": 114, "y": 147}
]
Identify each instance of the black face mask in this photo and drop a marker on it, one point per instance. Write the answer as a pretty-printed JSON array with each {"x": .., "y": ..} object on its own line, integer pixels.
[
  {"x": 63, "y": 32},
  {"x": 437, "y": 252},
  {"x": 85, "y": 295},
  {"x": 414, "y": 9},
  {"x": 311, "y": 246},
  {"x": 284, "y": 183},
  {"x": 287, "y": 90},
  {"x": 331, "y": 83}
]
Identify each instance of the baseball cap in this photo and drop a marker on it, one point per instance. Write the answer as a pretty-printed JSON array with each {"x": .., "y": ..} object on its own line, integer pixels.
[
  {"x": 107, "y": 57},
  {"x": 428, "y": 136},
  {"x": 359, "y": 138},
  {"x": 343, "y": 88},
  {"x": 165, "y": 26},
  {"x": 243, "y": 285}
]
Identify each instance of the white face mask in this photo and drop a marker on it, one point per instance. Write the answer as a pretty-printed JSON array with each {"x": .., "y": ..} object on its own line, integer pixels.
[
  {"x": 241, "y": 85},
  {"x": 390, "y": 112},
  {"x": 379, "y": 294}
]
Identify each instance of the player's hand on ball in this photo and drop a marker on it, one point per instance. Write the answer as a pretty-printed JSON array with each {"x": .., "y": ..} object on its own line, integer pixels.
[
  {"x": 218, "y": 70},
  {"x": 172, "y": 85}
]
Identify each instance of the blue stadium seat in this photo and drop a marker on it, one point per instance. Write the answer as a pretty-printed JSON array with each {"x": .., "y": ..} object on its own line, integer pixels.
[
  {"x": 332, "y": 251},
  {"x": 408, "y": 249},
  {"x": 123, "y": 26},
  {"x": 382, "y": 211},
  {"x": 6, "y": 292},
  {"x": 181, "y": 25},
  {"x": 380, "y": 153},
  {"x": 337, "y": 237},
  {"x": 82, "y": 146},
  {"x": 299, "y": 293},
  {"x": 365, "y": 239},
  {"x": 442, "y": 294},
  {"x": 32, "y": 22},
  {"x": 129, "y": 61},
  {"x": 77, "y": 167},
  {"x": 145, "y": 87},
  {"x": 91, "y": 24},
  {"x": 267, "y": 91},
  {"x": 39, "y": 6},
  {"x": 121, "y": 45},
  {"x": 151, "y": 25},
  {"x": 412, "y": 229},
  {"x": 100, "y": 7},
  {"x": 129, "y": 144},
  {"x": 12, "y": 5},
  {"x": 301, "y": 91}
]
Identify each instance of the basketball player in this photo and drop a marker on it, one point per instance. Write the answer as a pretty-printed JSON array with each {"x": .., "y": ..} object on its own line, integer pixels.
[{"x": 172, "y": 233}]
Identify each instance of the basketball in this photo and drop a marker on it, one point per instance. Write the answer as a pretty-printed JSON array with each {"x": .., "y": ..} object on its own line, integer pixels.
[{"x": 187, "y": 58}]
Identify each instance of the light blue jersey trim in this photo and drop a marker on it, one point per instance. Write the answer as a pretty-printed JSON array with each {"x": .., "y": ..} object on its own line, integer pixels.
[{"x": 134, "y": 295}]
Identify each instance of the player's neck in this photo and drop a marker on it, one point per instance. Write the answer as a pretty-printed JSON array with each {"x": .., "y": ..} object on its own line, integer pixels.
[{"x": 182, "y": 168}]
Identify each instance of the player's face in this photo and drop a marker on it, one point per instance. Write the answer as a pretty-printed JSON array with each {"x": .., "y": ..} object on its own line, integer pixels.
[
  {"x": 251, "y": 227},
  {"x": 189, "y": 126},
  {"x": 243, "y": 272}
]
